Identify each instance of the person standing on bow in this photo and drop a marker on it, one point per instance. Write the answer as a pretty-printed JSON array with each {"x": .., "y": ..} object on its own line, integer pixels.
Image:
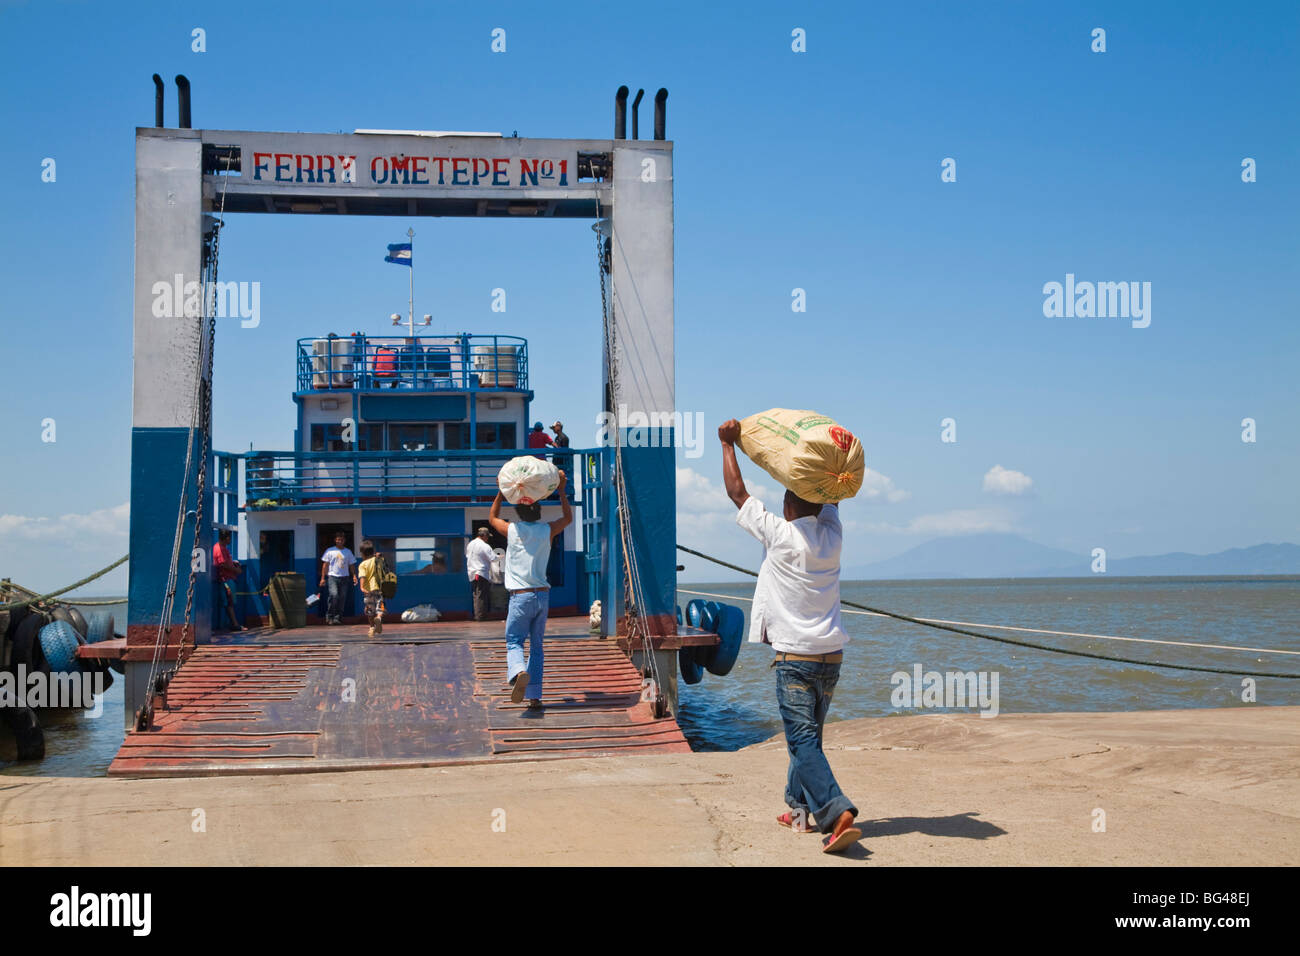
[
  {"x": 797, "y": 610},
  {"x": 528, "y": 548}
]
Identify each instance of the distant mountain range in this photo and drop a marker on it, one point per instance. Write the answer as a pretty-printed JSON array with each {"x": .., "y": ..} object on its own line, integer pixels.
[{"x": 1011, "y": 556}]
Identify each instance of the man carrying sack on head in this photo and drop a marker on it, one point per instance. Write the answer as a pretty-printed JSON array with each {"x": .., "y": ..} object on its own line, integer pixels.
[
  {"x": 797, "y": 610},
  {"x": 528, "y": 549}
]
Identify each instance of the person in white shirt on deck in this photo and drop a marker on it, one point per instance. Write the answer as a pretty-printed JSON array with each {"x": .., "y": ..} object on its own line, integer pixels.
[
  {"x": 797, "y": 610},
  {"x": 478, "y": 565},
  {"x": 528, "y": 549},
  {"x": 338, "y": 565}
]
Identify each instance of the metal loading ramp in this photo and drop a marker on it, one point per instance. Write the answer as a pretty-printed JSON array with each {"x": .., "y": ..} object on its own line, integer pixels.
[{"x": 328, "y": 698}]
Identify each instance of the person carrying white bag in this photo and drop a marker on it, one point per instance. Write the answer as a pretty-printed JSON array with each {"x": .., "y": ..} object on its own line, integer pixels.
[{"x": 528, "y": 549}]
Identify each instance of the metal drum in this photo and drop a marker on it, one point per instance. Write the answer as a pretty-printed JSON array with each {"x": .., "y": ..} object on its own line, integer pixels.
[{"x": 288, "y": 600}]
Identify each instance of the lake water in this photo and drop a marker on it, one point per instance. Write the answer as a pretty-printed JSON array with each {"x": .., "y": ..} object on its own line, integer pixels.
[
  {"x": 725, "y": 713},
  {"x": 76, "y": 744}
]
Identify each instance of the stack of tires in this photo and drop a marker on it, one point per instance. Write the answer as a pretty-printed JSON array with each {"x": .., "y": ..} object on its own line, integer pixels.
[
  {"x": 21, "y": 654},
  {"x": 725, "y": 620}
]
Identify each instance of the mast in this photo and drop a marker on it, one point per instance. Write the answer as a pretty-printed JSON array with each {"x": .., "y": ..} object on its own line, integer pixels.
[{"x": 410, "y": 313}]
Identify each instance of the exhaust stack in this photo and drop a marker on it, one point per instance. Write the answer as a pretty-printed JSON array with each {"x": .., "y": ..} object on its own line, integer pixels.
[{"x": 183, "y": 96}]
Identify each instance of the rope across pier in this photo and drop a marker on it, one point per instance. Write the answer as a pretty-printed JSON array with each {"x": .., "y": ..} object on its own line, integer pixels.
[{"x": 945, "y": 626}]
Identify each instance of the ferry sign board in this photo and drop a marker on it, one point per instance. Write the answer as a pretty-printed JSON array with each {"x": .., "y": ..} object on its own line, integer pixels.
[
  {"x": 399, "y": 161},
  {"x": 439, "y": 167}
]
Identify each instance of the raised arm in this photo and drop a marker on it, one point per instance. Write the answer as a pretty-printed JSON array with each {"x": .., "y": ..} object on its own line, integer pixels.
[
  {"x": 566, "y": 519},
  {"x": 499, "y": 524},
  {"x": 729, "y": 434}
]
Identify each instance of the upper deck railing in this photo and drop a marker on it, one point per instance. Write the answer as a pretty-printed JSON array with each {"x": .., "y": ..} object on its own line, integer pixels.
[
  {"x": 459, "y": 362},
  {"x": 280, "y": 479}
]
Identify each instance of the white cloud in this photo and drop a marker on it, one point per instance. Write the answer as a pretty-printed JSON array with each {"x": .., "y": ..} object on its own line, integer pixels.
[
  {"x": 70, "y": 528},
  {"x": 875, "y": 485},
  {"x": 1004, "y": 481},
  {"x": 944, "y": 523},
  {"x": 703, "y": 503},
  {"x": 45, "y": 553}
]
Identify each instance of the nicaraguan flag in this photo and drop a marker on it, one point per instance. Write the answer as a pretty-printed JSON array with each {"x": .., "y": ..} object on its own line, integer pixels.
[{"x": 399, "y": 252}]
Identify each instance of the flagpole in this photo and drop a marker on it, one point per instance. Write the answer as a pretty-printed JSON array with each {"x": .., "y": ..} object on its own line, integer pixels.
[{"x": 410, "y": 315}]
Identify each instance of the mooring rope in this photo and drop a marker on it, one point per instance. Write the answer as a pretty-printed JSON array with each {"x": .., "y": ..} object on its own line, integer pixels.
[
  {"x": 1006, "y": 640},
  {"x": 1034, "y": 630},
  {"x": 38, "y": 598}
]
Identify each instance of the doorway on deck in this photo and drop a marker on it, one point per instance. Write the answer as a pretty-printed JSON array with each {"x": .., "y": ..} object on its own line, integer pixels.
[{"x": 324, "y": 541}]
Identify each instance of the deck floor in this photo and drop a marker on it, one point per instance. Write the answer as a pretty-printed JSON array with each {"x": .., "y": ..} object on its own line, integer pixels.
[{"x": 329, "y": 698}]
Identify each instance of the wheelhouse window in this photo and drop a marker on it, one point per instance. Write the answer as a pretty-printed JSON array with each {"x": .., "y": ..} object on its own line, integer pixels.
[
  {"x": 487, "y": 435},
  {"x": 329, "y": 437},
  {"x": 413, "y": 437}
]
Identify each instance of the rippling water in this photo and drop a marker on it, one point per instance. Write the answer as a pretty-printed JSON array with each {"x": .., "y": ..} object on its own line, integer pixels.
[
  {"x": 76, "y": 744},
  {"x": 725, "y": 713}
]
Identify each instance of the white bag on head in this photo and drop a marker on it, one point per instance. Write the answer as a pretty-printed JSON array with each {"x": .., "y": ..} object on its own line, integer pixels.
[{"x": 526, "y": 480}]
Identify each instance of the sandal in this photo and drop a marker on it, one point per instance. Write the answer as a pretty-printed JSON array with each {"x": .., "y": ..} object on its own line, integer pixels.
[
  {"x": 787, "y": 820},
  {"x": 517, "y": 687},
  {"x": 841, "y": 839}
]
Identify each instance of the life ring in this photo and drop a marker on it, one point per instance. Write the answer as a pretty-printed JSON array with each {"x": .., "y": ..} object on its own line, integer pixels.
[{"x": 731, "y": 632}]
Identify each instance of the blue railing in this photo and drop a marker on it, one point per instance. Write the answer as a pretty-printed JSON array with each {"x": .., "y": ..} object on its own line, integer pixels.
[
  {"x": 280, "y": 479},
  {"x": 461, "y": 362},
  {"x": 225, "y": 489}
]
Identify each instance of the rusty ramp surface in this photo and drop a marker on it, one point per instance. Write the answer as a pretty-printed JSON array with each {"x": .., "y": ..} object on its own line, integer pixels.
[{"x": 435, "y": 694}]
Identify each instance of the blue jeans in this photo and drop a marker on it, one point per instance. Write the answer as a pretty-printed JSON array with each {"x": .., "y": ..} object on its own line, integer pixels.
[
  {"x": 340, "y": 593},
  {"x": 527, "y": 619},
  {"x": 803, "y": 693}
]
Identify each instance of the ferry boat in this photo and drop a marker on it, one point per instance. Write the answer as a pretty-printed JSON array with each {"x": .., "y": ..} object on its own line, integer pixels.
[{"x": 399, "y": 441}]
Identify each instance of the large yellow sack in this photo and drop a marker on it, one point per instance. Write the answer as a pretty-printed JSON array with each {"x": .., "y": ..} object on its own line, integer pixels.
[{"x": 806, "y": 452}]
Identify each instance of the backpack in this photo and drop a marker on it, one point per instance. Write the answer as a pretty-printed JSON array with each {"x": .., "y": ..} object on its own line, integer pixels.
[{"x": 387, "y": 577}]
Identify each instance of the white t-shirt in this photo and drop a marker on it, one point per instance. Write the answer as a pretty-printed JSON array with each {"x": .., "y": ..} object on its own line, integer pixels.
[
  {"x": 797, "y": 598},
  {"x": 339, "y": 561},
  {"x": 528, "y": 548},
  {"x": 478, "y": 559}
]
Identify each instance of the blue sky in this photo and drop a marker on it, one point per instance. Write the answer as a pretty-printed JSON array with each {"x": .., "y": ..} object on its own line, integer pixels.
[{"x": 816, "y": 170}]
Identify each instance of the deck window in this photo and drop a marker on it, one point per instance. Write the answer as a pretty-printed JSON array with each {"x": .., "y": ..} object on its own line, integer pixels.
[{"x": 424, "y": 554}]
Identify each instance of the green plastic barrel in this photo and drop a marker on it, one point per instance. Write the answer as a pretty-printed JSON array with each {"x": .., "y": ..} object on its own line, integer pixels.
[{"x": 288, "y": 599}]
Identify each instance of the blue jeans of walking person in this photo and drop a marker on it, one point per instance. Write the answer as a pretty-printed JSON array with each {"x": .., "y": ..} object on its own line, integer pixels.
[
  {"x": 803, "y": 691},
  {"x": 526, "y": 620},
  {"x": 340, "y": 590}
]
